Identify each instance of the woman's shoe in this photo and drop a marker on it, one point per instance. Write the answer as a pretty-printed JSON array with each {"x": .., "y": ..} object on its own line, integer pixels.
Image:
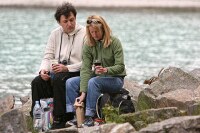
[{"x": 88, "y": 122}]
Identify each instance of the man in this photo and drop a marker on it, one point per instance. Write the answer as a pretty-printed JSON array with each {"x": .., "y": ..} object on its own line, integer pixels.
[{"x": 65, "y": 45}]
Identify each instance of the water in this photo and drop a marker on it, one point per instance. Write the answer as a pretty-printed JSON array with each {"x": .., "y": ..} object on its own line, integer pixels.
[{"x": 152, "y": 39}]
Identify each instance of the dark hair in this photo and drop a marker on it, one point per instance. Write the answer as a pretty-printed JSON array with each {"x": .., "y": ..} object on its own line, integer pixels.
[{"x": 65, "y": 9}]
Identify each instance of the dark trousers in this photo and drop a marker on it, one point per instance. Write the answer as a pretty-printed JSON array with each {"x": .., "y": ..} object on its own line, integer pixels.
[{"x": 52, "y": 88}]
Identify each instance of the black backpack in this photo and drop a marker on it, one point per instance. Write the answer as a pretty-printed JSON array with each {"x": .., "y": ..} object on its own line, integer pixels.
[{"x": 121, "y": 100}]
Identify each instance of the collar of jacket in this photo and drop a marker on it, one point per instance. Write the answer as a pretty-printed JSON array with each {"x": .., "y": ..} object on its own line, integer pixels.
[{"x": 77, "y": 29}]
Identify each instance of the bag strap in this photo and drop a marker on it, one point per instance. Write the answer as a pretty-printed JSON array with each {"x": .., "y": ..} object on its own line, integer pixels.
[
  {"x": 120, "y": 106},
  {"x": 97, "y": 106}
]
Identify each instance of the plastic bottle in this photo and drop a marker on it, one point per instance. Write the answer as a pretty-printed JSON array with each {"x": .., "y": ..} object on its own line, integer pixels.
[{"x": 37, "y": 117}]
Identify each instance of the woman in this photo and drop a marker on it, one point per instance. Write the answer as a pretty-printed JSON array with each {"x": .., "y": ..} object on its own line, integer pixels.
[{"x": 106, "y": 77}]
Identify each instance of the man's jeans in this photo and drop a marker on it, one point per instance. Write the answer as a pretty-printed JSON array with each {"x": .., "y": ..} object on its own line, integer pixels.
[{"x": 96, "y": 86}]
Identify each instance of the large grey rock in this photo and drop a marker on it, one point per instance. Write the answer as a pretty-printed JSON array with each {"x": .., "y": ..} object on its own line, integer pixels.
[
  {"x": 181, "y": 98},
  {"x": 146, "y": 100},
  {"x": 195, "y": 73},
  {"x": 134, "y": 90},
  {"x": 174, "y": 88},
  {"x": 26, "y": 108},
  {"x": 24, "y": 99},
  {"x": 64, "y": 130},
  {"x": 141, "y": 119},
  {"x": 7, "y": 103},
  {"x": 184, "y": 124},
  {"x": 174, "y": 79},
  {"x": 133, "y": 87},
  {"x": 89, "y": 129},
  {"x": 116, "y": 128},
  {"x": 13, "y": 122},
  {"x": 109, "y": 128},
  {"x": 194, "y": 109}
]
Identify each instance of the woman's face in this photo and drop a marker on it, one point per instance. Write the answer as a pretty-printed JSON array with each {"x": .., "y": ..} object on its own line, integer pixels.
[{"x": 96, "y": 33}]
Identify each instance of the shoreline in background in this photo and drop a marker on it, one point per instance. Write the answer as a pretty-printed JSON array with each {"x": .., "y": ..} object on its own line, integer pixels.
[{"x": 106, "y": 4}]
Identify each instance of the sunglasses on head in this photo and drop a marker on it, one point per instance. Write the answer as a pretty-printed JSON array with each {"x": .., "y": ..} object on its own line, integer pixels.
[{"x": 94, "y": 21}]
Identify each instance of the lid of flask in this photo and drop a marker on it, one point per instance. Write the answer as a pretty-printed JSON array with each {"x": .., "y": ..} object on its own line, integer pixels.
[{"x": 36, "y": 102}]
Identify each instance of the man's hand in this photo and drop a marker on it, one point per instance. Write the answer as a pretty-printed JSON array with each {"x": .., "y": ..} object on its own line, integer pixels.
[
  {"x": 59, "y": 68},
  {"x": 44, "y": 75}
]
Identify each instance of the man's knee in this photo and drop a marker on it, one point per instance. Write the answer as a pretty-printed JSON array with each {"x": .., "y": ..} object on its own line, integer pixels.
[
  {"x": 57, "y": 77},
  {"x": 36, "y": 80}
]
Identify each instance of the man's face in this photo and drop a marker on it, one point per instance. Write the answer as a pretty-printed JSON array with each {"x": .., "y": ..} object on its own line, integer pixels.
[{"x": 68, "y": 24}]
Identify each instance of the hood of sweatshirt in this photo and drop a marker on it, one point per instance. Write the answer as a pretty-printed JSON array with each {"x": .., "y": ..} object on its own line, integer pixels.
[{"x": 77, "y": 29}]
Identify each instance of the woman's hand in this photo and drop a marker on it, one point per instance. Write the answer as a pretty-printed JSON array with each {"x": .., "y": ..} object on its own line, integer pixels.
[
  {"x": 56, "y": 68},
  {"x": 100, "y": 70},
  {"x": 81, "y": 98}
]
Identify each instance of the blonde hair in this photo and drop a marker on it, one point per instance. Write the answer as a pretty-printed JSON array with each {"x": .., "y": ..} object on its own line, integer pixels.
[{"x": 102, "y": 26}]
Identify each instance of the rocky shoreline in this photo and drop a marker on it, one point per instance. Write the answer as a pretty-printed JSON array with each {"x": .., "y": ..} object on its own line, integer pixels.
[
  {"x": 169, "y": 103},
  {"x": 192, "y": 4}
]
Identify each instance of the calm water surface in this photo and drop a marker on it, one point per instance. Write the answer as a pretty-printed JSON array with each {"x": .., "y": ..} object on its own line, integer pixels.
[{"x": 151, "y": 40}]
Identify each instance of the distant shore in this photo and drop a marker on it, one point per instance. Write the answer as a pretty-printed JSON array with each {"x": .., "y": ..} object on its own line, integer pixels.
[{"x": 179, "y": 4}]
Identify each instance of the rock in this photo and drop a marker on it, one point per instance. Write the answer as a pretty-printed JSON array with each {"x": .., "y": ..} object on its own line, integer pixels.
[
  {"x": 24, "y": 99},
  {"x": 7, "y": 103},
  {"x": 146, "y": 100},
  {"x": 182, "y": 95},
  {"x": 181, "y": 98},
  {"x": 64, "y": 130},
  {"x": 194, "y": 109},
  {"x": 89, "y": 129},
  {"x": 184, "y": 124},
  {"x": 195, "y": 73},
  {"x": 26, "y": 108},
  {"x": 109, "y": 128},
  {"x": 134, "y": 90},
  {"x": 141, "y": 119},
  {"x": 133, "y": 87},
  {"x": 116, "y": 128},
  {"x": 174, "y": 79},
  {"x": 13, "y": 122},
  {"x": 174, "y": 88}
]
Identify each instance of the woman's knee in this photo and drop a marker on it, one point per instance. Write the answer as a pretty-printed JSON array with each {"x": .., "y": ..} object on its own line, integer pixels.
[
  {"x": 92, "y": 81},
  {"x": 93, "y": 84},
  {"x": 72, "y": 83}
]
